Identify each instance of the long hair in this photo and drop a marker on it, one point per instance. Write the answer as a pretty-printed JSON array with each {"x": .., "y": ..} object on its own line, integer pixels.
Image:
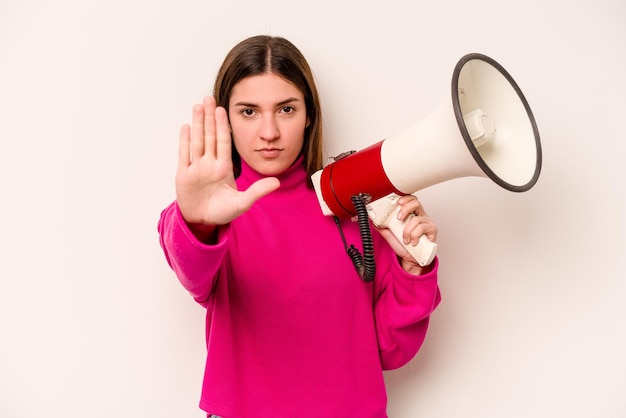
[{"x": 267, "y": 54}]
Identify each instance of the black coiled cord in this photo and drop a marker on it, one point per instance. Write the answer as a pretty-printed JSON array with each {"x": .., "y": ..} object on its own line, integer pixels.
[{"x": 364, "y": 264}]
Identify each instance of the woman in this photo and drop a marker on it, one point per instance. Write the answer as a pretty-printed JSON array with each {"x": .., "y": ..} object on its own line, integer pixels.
[{"x": 291, "y": 329}]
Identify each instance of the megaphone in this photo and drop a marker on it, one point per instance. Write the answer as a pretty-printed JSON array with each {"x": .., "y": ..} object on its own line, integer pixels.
[{"x": 487, "y": 129}]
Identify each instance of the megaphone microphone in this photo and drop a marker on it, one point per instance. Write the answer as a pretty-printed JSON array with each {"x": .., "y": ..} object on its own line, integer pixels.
[{"x": 487, "y": 129}]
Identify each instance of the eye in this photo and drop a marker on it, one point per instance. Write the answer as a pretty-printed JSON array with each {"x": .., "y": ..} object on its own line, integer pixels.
[
  {"x": 287, "y": 109},
  {"x": 247, "y": 112}
]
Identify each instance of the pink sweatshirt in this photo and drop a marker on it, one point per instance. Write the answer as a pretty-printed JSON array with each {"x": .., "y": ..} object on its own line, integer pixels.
[{"x": 291, "y": 329}]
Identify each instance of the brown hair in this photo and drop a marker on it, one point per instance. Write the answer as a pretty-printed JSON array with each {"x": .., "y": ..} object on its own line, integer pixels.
[{"x": 267, "y": 54}]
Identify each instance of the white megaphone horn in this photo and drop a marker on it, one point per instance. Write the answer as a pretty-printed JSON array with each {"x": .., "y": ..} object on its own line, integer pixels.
[{"x": 486, "y": 130}]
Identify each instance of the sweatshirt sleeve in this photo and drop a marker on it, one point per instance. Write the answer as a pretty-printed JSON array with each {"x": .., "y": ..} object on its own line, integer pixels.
[
  {"x": 402, "y": 308},
  {"x": 196, "y": 264}
]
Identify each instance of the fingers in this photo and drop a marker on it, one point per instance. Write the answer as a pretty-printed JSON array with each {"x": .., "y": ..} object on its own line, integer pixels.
[
  {"x": 417, "y": 221},
  {"x": 210, "y": 131},
  {"x": 417, "y": 226},
  {"x": 183, "y": 147},
  {"x": 223, "y": 146},
  {"x": 410, "y": 205},
  {"x": 209, "y": 134},
  {"x": 197, "y": 132}
]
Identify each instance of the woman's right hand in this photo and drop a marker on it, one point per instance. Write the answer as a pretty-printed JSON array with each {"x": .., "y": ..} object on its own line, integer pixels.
[{"x": 205, "y": 185}]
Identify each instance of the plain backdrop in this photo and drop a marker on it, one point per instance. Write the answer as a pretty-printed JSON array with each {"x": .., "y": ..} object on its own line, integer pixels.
[{"x": 93, "y": 322}]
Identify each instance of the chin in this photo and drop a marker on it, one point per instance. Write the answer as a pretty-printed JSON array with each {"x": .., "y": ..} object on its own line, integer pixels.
[{"x": 271, "y": 169}]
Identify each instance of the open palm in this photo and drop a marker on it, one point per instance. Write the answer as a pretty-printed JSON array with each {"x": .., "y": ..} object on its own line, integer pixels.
[{"x": 205, "y": 185}]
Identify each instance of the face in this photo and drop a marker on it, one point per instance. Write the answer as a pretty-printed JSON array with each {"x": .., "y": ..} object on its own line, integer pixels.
[{"x": 267, "y": 117}]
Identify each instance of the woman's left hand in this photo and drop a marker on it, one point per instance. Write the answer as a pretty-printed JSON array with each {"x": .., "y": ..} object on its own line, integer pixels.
[{"x": 418, "y": 224}]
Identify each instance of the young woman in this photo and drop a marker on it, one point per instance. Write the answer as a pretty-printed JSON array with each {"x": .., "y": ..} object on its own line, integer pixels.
[{"x": 292, "y": 331}]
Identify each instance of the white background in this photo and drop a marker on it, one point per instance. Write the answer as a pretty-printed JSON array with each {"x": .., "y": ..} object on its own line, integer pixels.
[{"x": 92, "y": 93}]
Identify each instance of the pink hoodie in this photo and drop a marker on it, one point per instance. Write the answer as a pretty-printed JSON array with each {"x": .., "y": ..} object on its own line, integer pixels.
[{"x": 291, "y": 329}]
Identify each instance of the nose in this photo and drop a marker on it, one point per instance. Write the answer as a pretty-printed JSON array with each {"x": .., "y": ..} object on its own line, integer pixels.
[{"x": 268, "y": 131}]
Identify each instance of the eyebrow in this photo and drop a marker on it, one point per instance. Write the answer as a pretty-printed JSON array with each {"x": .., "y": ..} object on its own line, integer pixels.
[{"x": 281, "y": 103}]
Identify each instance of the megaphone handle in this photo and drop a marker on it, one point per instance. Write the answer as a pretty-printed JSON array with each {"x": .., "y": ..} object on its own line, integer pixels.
[
  {"x": 425, "y": 250},
  {"x": 383, "y": 213}
]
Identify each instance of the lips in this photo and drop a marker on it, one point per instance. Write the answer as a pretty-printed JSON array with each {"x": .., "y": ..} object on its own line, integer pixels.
[{"x": 269, "y": 152}]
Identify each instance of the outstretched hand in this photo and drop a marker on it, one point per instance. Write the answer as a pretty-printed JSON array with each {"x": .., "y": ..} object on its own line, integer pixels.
[{"x": 205, "y": 185}]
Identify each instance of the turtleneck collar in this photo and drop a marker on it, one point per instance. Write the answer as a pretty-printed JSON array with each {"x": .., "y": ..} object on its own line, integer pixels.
[{"x": 294, "y": 177}]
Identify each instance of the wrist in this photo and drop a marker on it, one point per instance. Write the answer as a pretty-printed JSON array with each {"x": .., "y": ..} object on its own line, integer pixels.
[
  {"x": 413, "y": 268},
  {"x": 204, "y": 232}
]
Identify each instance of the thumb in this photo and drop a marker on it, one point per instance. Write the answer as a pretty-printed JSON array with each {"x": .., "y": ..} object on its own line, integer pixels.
[{"x": 260, "y": 188}]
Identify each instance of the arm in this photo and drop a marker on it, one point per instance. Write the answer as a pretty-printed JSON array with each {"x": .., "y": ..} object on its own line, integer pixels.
[
  {"x": 407, "y": 293},
  {"x": 207, "y": 200},
  {"x": 195, "y": 263},
  {"x": 402, "y": 310}
]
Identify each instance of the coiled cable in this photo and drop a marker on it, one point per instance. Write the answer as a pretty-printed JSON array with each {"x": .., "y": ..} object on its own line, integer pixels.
[{"x": 364, "y": 264}]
